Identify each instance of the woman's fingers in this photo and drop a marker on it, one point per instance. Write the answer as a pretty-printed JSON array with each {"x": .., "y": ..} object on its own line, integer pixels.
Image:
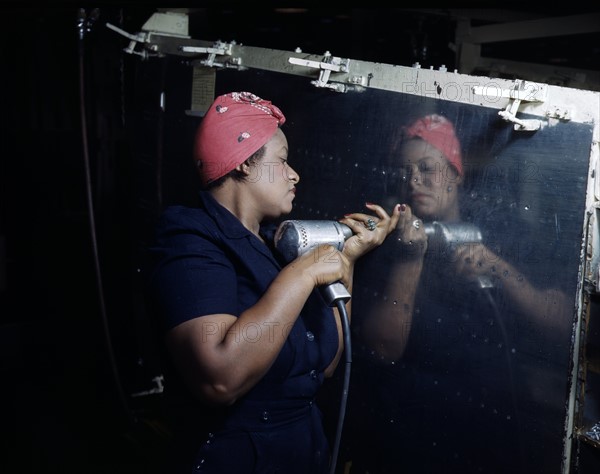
[
  {"x": 380, "y": 221},
  {"x": 369, "y": 230}
]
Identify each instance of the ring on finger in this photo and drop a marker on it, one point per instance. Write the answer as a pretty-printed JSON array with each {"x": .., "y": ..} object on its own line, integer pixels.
[
  {"x": 416, "y": 223},
  {"x": 370, "y": 224}
]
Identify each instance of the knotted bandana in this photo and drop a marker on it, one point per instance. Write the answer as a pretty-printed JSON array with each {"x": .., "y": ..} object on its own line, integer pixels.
[
  {"x": 235, "y": 126},
  {"x": 439, "y": 132}
]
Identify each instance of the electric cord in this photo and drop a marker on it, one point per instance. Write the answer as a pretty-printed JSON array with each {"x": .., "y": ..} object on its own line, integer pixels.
[
  {"x": 509, "y": 365},
  {"x": 92, "y": 222},
  {"x": 341, "y": 305}
]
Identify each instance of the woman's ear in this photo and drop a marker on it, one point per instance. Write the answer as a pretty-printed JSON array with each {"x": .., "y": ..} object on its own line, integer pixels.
[
  {"x": 243, "y": 168},
  {"x": 454, "y": 180}
]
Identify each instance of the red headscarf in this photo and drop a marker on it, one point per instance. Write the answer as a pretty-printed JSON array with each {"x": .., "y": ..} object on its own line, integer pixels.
[
  {"x": 235, "y": 126},
  {"x": 439, "y": 132}
]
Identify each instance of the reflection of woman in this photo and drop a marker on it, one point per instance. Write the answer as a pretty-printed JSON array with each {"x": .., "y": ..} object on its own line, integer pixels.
[
  {"x": 250, "y": 339},
  {"x": 431, "y": 167},
  {"x": 448, "y": 395}
]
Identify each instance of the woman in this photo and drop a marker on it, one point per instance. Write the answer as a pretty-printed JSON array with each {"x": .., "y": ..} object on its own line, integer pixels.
[
  {"x": 250, "y": 337},
  {"x": 439, "y": 359}
]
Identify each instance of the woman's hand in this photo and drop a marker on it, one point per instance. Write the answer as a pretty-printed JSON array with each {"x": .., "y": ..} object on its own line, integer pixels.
[
  {"x": 475, "y": 260},
  {"x": 322, "y": 265},
  {"x": 411, "y": 234},
  {"x": 369, "y": 231},
  {"x": 410, "y": 239}
]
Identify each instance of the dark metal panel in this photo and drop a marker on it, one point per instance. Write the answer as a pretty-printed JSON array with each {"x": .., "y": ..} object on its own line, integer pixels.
[{"x": 485, "y": 393}]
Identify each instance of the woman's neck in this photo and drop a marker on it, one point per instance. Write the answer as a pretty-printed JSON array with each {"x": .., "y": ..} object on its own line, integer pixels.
[{"x": 233, "y": 198}]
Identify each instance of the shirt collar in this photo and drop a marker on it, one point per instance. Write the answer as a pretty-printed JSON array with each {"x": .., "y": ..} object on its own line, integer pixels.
[{"x": 229, "y": 224}]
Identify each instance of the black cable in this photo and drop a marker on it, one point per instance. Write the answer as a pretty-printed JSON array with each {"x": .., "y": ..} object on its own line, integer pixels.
[
  {"x": 510, "y": 368},
  {"x": 90, "y": 204},
  {"x": 341, "y": 305}
]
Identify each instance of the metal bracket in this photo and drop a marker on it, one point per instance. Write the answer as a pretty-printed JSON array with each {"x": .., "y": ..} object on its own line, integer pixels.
[
  {"x": 167, "y": 24},
  {"x": 219, "y": 48},
  {"x": 135, "y": 39},
  {"x": 157, "y": 389},
  {"x": 592, "y": 255},
  {"x": 326, "y": 67},
  {"x": 522, "y": 91}
]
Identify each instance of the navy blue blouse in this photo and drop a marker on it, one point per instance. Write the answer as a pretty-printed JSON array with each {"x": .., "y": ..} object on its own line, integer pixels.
[{"x": 206, "y": 262}]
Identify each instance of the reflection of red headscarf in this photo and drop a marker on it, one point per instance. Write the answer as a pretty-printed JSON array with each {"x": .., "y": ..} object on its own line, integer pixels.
[
  {"x": 236, "y": 125},
  {"x": 439, "y": 132}
]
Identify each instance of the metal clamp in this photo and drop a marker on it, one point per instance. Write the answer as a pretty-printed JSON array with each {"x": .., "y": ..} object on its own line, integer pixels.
[
  {"x": 165, "y": 25},
  {"x": 326, "y": 67},
  {"x": 135, "y": 39},
  {"x": 218, "y": 49},
  {"x": 522, "y": 91}
]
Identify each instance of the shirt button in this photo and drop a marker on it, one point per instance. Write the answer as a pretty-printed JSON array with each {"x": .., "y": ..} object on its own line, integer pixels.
[
  {"x": 313, "y": 374},
  {"x": 310, "y": 336},
  {"x": 265, "y": 416}
]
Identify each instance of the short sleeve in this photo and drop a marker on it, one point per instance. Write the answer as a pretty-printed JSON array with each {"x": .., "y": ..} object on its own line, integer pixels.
[{"x": 193, "y": 278}]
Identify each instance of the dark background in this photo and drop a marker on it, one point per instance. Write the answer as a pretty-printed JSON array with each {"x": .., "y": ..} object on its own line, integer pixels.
[{"x": 76, "y": 345}]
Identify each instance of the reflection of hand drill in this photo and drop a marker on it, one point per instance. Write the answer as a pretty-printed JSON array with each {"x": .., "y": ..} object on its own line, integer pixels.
[{"x": 442, "y": 234}]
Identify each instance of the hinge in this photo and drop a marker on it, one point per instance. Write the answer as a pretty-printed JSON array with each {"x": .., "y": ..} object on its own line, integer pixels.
[
  {"x": 328, "y": 65},
  {"x": 521, "y": 91}
]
